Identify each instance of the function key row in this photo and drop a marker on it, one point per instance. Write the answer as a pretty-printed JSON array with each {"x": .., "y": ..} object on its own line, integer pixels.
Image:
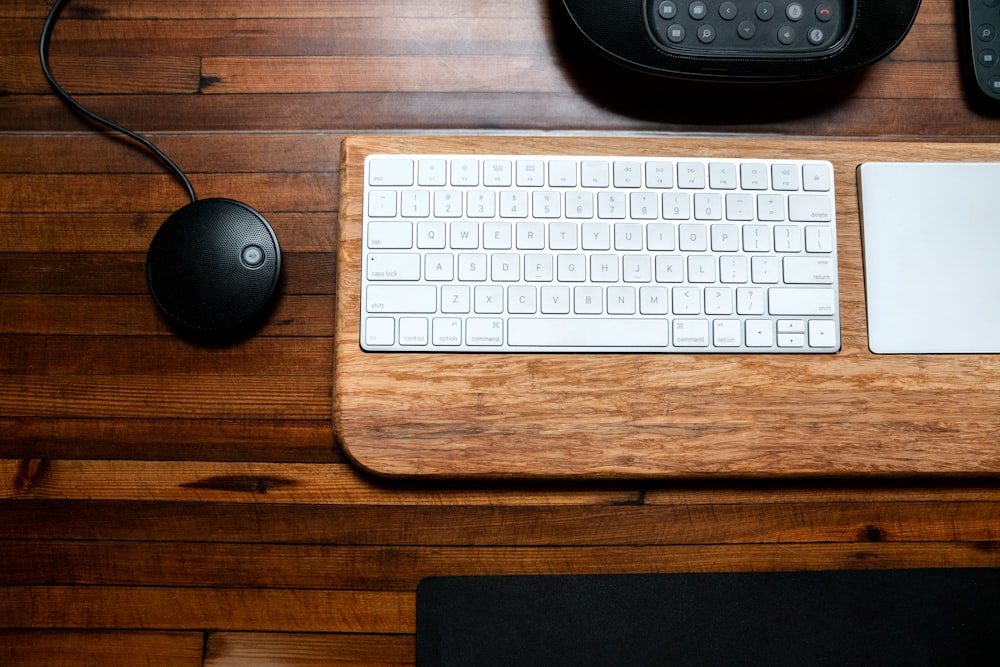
[{"x": 656, "y": 174}]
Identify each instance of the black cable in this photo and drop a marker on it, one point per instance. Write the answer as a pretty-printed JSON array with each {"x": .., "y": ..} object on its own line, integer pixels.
[{"x": 43, "y": 54}]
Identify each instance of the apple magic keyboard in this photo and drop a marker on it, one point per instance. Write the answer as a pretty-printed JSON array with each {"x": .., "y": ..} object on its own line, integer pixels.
[{"x": 575, "y": 253}]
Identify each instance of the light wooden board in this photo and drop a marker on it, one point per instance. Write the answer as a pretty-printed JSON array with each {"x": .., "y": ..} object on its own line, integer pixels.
[{"x": 666, "y": 415}]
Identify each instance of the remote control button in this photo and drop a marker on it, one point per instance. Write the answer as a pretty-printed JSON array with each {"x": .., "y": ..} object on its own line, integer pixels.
[
  {"x": 816, "y": 36},
  {"x": 698, "y": 10},
  {"x": 667, "y": 9},
  {"x": 985, "y": 32},
  {"x": 794, "y": 11},
  {"x": 675, "y": 33},
  {"x": 765, "y": 11},
  {"x": 988, "y": 57},
  {"x": 706, "y": 34},
  {"x": 824, "y": 11},
  {"x": 786, "y": 35},
  {"x": 994, "y": 85},
  {"x": 746, "y": 29},
  {"x": 729, "y": 10}
]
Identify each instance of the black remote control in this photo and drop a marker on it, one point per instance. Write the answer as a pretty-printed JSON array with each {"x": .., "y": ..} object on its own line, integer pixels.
[
  {"x": 979, "y": 25},
  {"x": 771, "y": 29}
]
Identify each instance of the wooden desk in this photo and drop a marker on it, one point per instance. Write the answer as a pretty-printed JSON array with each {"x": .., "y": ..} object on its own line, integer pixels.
[{"x": 191, "y": 505}]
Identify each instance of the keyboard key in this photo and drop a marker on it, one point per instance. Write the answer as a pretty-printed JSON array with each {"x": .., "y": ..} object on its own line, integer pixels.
[
  {"x": 785, "y": 177},
  {"x": 390, "y": 235},
  {"x": 753, "y": 176},
  {"x": 380, "y": 331},
  {"x": 592, "y": 332},
  {"x": 413, "y": 331},
  {"x": 482, "y": 331},
  {"x": 691, "y": 175},
  {"x": 804, "y": 270},
  {"x": 759, "y": 333},
  {"x": 401, "y": 299},
  {"x": 446, "y": 331},
  {"x": 815, "y": 178},
  {"x": 497, "y": 173},
  {"x": 555, "y": 300},
  {"x": 530, "y": 173},
  {"x": 382, "y": 204},
  {"x": 594, "y": 174},
  {"x": 810, "y": 208},
  {"x": 390, "y": 172},
  {"x": 819, "y": 239},
  {"x": 800, "y": 301},
  {"x": 727, "y": 333},
  {"x": 465, "y": 171},
  {"x": 432, "y": 173},
  {"x": 822, "y": 333},
  {"x": 690, "y": 333},
  {"x": 393, "y": 266},
  {"x": 562, "y": 173},
  {"x": 627, "y": 174}
]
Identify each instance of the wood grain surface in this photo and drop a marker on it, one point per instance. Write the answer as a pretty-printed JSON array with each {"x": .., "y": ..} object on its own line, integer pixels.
[{"x": 166, "y": 503}]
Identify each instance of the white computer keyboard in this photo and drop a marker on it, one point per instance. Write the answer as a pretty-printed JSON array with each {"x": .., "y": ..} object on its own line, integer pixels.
[{"x": 559, "y": 253}]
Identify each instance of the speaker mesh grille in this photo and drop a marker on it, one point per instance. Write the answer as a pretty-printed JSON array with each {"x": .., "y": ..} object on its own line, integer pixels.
[{"x": 195, "y": 270}]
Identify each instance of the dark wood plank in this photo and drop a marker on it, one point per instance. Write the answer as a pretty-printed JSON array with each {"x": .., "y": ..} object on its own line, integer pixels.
[
  {"x": 93, "y": 607},
  {"x": 159, "y": 439},
  {"x": 136, "y": 315},
  {"x": 186, "y": 9},
  {"x": 237, "y": 649},
  {"x": 234, "y": 152},
  {"x": 88, "y": 273},
  {"x": 851, "y": 522},
  {"x": 163, "y": 396},
  {"x": 400, "y": 568},
  {"x": 102, "y": 648},
  {"x": 83, "y": 233},
  {"x": 264, "y": 191}
]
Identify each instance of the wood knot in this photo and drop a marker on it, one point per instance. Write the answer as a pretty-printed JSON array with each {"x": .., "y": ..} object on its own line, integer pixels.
[
  {"x": 29, "y": 474},
  {"x": 870, "y": 534},
  {"x": 240, "y": 483}
]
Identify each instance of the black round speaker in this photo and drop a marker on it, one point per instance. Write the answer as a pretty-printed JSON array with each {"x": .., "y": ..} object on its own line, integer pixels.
[{"x": 213, "y": 268}]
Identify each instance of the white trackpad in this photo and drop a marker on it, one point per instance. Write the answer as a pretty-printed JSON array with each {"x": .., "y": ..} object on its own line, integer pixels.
[{"x": 931, "y": 235}]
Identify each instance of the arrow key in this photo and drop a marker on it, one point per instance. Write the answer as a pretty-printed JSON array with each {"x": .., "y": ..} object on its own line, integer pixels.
[
  {"x": 822, "y": 333},
  {"x": 759, "y": 333}
]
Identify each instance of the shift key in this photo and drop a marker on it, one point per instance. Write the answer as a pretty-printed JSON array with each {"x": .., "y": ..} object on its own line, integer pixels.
[
  {"x": 801, "y": 301},
  {"x": 400, "y": 299}
]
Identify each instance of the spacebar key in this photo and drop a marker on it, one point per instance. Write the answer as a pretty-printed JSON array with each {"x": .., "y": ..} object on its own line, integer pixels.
[{"x": 590, "y": 332}]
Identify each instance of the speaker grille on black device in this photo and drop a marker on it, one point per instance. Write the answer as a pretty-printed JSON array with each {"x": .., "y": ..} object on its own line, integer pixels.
[{"x": 213, "y": 265}]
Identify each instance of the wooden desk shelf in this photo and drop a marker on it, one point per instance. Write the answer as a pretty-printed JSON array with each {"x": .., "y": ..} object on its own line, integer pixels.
[{"x": 670, "y": 415}]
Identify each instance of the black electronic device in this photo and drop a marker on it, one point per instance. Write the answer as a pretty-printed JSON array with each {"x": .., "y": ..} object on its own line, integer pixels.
[
  {"x": 749, "y": 40},
  {"x": 213, "y": 266},
  {"x": 979, "y": 51}
]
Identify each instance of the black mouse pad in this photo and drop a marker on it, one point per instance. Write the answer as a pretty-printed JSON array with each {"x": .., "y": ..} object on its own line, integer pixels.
[{"x": 872, "y": 617}]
